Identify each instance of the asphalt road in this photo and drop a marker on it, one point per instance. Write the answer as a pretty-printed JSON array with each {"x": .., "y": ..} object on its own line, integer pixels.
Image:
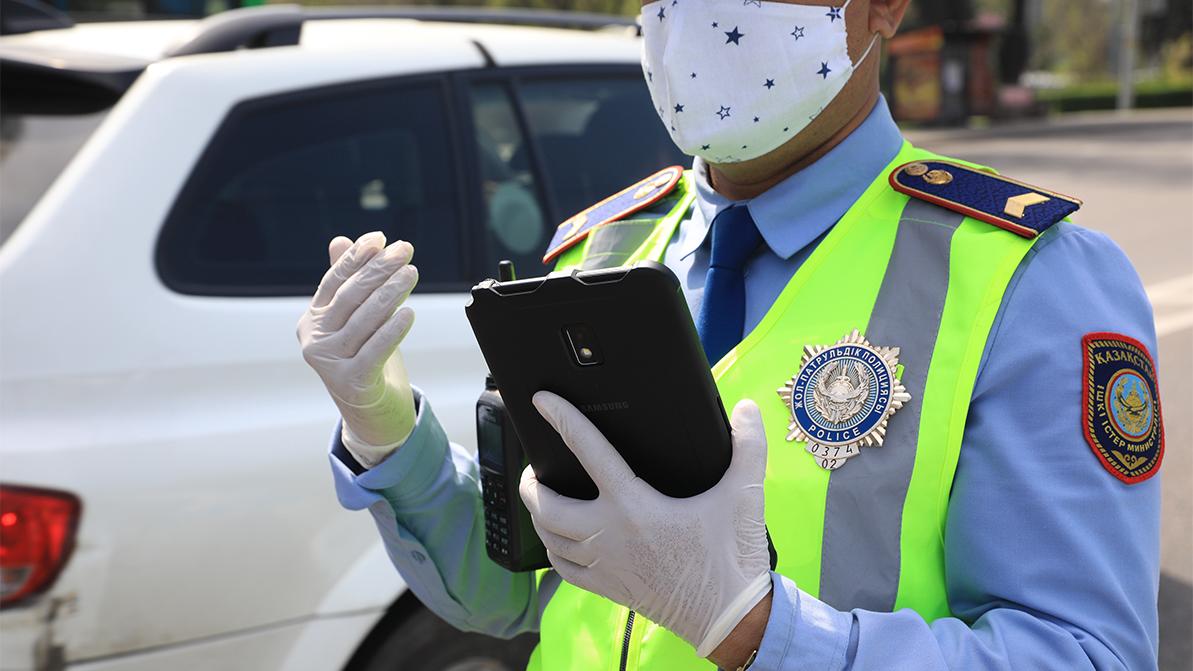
[{"x": 1135, "y": 174}]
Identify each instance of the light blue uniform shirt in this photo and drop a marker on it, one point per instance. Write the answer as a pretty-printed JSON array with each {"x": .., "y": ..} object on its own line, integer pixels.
[{"x": 1052, "y": 562}]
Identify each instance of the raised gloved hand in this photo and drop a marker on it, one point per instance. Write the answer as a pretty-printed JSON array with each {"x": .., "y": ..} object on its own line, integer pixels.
[
  {"x": 350, "y": 335},
  {"x": 696, "y": 566}
]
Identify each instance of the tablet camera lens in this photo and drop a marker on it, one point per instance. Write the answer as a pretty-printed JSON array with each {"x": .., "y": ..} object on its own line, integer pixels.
[{"x": 582, "y": 345}]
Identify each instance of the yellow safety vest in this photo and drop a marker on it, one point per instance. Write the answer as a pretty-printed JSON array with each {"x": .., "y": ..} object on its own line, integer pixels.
[{"x": 904, "y": 273}]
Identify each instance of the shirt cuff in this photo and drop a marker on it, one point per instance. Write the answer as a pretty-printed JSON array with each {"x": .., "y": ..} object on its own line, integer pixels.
[
  {"x": 802, "y": 631},
  {"x": 405, "y": 474}
]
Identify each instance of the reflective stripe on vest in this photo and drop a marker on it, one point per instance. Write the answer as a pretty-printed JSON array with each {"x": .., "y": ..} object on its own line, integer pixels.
[
  {"x": 906, "y": 314},
  {"x": 907, "y": 274}
]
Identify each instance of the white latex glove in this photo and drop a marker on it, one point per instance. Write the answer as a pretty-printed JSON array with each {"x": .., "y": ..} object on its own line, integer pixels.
[
  {"x": 350, "y": 335},
  {"x": 696, "y": 566}
]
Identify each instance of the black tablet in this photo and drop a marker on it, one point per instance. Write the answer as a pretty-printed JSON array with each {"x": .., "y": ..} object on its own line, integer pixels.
[{"x": 621, "y": 346}]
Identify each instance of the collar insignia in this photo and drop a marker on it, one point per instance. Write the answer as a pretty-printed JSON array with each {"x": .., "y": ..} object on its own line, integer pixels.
[
  {"x": 629, "y": 200},
  {"x": 841, "y": 398}
]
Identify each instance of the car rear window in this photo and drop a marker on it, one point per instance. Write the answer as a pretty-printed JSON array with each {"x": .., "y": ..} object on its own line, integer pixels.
[
  {"x": 285, "y": 174},
  {"x": 596, "y": 136},
  {"x": 34, "y": 149},
  {"x": 580, "y": 137}
]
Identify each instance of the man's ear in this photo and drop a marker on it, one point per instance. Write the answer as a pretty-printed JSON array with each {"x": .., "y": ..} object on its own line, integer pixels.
[{"x": 886, "y": 15}]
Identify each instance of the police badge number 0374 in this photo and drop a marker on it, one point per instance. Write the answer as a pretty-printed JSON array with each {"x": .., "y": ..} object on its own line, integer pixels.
[
  {"x": 1121, "y": 417},
  {"x": 841, "y": 398}
]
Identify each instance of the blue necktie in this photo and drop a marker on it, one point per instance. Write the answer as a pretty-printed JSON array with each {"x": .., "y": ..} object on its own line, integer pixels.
[{"x": 722, "y": 317}]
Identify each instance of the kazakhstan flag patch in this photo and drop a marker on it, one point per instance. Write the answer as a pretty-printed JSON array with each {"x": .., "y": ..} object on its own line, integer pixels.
[{"x": 1121, "y": 417}]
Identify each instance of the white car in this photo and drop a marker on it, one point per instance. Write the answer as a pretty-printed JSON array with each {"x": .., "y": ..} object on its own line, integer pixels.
[{"x": 166, "y": 499}]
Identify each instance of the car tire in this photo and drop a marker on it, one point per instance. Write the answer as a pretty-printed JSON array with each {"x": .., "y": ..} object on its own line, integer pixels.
[{"x": 421, "y": 641}]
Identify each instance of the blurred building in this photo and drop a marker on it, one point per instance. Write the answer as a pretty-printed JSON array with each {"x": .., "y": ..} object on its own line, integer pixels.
[{"x": 958, "y": 59}]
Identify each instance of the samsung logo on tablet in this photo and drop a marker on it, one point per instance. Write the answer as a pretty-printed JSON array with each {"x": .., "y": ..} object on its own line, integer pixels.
[{"x": 605, "y": 407}]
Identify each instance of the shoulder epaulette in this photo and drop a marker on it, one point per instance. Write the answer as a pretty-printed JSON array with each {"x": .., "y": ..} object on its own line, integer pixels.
[
  {"x": 1020, "y": 208},
  {"x": 629, "y": 200}
]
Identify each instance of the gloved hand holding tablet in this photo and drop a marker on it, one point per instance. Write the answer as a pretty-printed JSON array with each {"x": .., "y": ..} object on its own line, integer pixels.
[
  {"x": 637, "y": 487},
  {"x": 621, "y": 347}
]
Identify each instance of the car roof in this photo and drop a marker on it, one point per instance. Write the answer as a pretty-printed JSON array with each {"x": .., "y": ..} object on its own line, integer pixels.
[
  {"x": 99, "y": 45},
  {"x": 124, "y": 44},
  {"x": 100, "y": 61},
  {"x": 504, "y": 45}
]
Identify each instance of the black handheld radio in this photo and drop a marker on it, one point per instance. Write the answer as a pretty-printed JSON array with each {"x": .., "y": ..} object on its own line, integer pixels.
[{"x": 510, "y": 538}]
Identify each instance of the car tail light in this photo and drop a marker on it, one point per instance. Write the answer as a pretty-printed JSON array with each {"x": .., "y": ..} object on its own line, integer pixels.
[{"x": 37, "y": 534}]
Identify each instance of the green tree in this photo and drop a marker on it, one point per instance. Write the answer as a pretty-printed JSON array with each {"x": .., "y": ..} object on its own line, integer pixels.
[{"x": 1075, "y": 37}]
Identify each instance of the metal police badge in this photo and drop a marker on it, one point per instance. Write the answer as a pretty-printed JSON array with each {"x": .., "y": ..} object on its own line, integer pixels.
[
  {"x": 841, "y": 398},
  {"x": 1121, "y": 410}
]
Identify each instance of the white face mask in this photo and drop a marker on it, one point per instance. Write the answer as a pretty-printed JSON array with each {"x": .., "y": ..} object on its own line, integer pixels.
[{"x": 734, "y": 80}]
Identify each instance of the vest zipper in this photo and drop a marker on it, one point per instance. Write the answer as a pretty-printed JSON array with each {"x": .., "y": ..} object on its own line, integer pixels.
[{"x": 625, "y": 645}]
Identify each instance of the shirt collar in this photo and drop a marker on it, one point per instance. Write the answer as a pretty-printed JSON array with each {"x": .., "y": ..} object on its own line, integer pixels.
[{"x": 796, "y": 211}]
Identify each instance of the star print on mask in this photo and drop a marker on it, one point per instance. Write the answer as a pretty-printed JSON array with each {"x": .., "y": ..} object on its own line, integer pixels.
[
  {"x": 662, "y": 13},
  {"x": 710, "y": 100}
]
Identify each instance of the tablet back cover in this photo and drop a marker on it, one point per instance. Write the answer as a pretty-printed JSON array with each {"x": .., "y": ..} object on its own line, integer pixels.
[{"x": 652, "y": 394}]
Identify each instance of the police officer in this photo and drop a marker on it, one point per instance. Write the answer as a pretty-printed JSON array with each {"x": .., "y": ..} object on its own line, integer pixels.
[{"x": 957, "y": 468}]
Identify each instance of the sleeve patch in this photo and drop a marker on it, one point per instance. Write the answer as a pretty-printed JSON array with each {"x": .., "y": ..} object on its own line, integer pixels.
[
  {"x": 1121, "y": 416},
  {"x": 629, "y": 200},
  {"x": 1000, "y": 201}
]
